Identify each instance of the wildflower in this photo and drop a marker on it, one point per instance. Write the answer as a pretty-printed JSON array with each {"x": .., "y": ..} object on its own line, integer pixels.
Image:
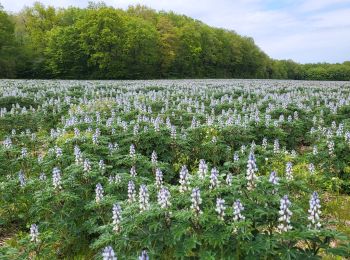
[
  {"x": 236, "y": 157},
  {"x": 86, "y": 166},
  {"x": 42, "y": 176},
  {"x": 144, "y": 255},
  {"x": 108, "y": 253},
  {"x": 117, "y": 217},
  {"x": 101, "y": 166},
  {"x": 220, "y": 208},
  {"x": 131, "y": 192},
  {"x": 229, "y": 178},
  {"x": 56, "y": 178},
  {"x": 154, "y": 158},
  {"x": 196, "y": 201},
  {"x": 99, "y": 192},
  {"x": 314, "y": 211},
  {"x": 276, "y": 146},
  {"x": 289, "y": 171},
  {"x": 164, "y": 198},
  {"x": 202, "y": 169},
  {"x": 133, "y": 171},
  {"x": 34, "y": 233},
  {"x": 273, "y": 178},
  {"x": 285, "y": 215},
  {"x": 7, "y": 143},
  {"x": 143, "y": 198},
  {"x": 251, "y": 170},
  {"x": 159, "y": 178},
  {"x": 312, "y": 168},
  {"x": 21, "y": 178},
  {"x": 214, "y": 181},
  {"x": 184, "y": 179},
  {"x": 237, "y": 211},
  {"x": 132, "y": 151}
]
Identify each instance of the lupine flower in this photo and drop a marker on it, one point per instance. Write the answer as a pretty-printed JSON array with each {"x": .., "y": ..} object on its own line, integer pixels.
[
  {"x": 273, "y": 178},
  {"x": 86, "y": 166},
  {"x": 251, "y": 170},
  {"x": 314, "y": 211},
  {"x": 108, "y": 253},
  {"x": 21, "y": 178},
  {"x": 143, "y": 198},
  {"x": 99, "y": 192},
  {"x": 184, "y": 179},
  {"x": 132, "y": 151},
  {"x": 164, "y": 198},
  {"x": 34, "y": 233},
  {"x": 264, "y": 143},
  {"x": 229, "y": 178},
  {"x": 220, "y": 208},
  {"x": 56, "y": 178},
  {"x": 117, "y": 217},
  {"x": 101, "y": 165},
  {"x": 131, "y": 192},
  {"x": 237, "y": 211},
  {"x": 159, "y": 178},
  {"x": 7, "y": 143},
  {"x": 236, "y": 157},
  {"x": 214, "y": 178},
  {"x": 133, "y": 171},
  {"x": 289, "y": 171},
  {"x": 312, "y": 168},
  {"x": 276, "y": 146},
  {"x": 154, "y": 158},
  {"x": 144, "y": 255},
  {"x": 202, "y": 169},
  {"x": 58, "y": 151},
  {"x": 314, "y": 150},
  {"x": 24, "y": 152},
  {"x": 330, "y": 145},
  {"x": 285, "y": 215},
  {"x": 78, "y": 156},
  {"x": 196, "y": 201}
]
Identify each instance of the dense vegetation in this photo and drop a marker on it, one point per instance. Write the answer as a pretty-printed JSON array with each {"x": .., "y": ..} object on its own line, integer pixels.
[
  {"x": 196, "y": 169},
  {"x": 101, "y": 42}
]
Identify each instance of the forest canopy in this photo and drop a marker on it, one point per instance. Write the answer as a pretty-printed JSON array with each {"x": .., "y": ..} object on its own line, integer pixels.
[{"x": 102, "y": 42}]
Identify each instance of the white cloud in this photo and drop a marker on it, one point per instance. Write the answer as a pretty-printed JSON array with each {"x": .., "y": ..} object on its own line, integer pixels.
[{"x": 302, "y": 30}]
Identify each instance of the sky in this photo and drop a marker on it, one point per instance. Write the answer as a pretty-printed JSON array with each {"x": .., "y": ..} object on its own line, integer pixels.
[{"x": 305, "y": 31}]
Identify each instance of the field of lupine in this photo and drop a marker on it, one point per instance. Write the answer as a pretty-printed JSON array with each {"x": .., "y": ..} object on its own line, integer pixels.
[{"x": 183, "y": 169}]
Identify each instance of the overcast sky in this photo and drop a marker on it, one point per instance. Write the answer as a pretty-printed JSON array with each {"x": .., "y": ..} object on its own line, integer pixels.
[{"x": 302, "y": 30}]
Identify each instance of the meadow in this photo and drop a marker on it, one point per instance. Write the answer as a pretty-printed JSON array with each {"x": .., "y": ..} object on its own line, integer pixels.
[{"x": 174, "y": 169}]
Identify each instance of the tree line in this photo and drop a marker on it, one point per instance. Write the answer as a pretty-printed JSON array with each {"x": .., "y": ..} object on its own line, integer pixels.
[{"x": 102, "y": 42}]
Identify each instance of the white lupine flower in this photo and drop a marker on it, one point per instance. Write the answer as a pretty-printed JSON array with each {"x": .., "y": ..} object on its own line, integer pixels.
[
  {"x": 264, "y": 143},
  {"x": 56, "y": 178},
  {"x": 132, "y": 151},
  {"x": 58, "y": 151},
  {"x": 7, "y": 143},
  {"x": 108, "y": 253},
  {"x": 314, "y": 150},
  {"x": 273, "y": 178},
  {"x": 34, "y": 233},
  {"x": 159, "y": 178},
  {"x": 330, "y": 145},
  {"x": 78, "y": 156},
  {"x": 101, "y": 166},
  {"x": 312, "y": 168},
  {"x": 314, "y": 211},
  {"x": 144, "y": 198},
  {"x": 173, "y": 132},
  {"x": 220, "y": 208},
  {"x": 133, "y": 171},
  {"x": 144, "y": 255},
  {"x": 236, "y": 157},
  {"x": 196, "y": 201},
  {"x": 117, "y": 217},
  {"x": 154, "y": 158},
  {"x": 164, "y": 198},
  {"x": 276, "y": 146},
  {"x": 202, "y": 169},
  {"x": 21, "y": 178},
  {"x": 229, "y": 178},
  {"x": 214, "y": 178},
  {"x": 285, "y": 215},
  {"x": 251, "y": 170},
  {"x": 289, "y": 171},
  {"x": 131, "y": 192},
  {"x": 99, "y": 192},
  {"x": 86, "y": 166},
  {"x": 237, "y": 211},
  {"x": 24, "y": 152},
  {"x": 184, "y": 179}
]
